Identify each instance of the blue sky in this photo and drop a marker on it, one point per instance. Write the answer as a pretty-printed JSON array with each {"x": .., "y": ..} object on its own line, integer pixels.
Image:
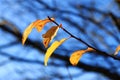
[{"x": 22, "y": 13}]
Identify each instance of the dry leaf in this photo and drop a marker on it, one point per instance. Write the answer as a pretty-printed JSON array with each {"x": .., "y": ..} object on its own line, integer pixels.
[
  {"x": 46, "y": 41},
  {"x": 52, "y": 48},
  {"x": 90, "y": 49},
  {"x": 36, "y": 23},
  {"x": 49, "y": 35},
  {"x": 27, "y": 32},
  {"x": 117, "y": 50},
  {"x": 75, "y": 57},
  {"x": 39, "y": 24}
]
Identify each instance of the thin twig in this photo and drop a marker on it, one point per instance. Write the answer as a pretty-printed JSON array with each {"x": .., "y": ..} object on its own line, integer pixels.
[
  {"x": 69, "y": 32},
  {"x": 97, "y": 50}
]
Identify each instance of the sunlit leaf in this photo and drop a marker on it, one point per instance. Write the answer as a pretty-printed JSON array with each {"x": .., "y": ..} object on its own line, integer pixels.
[
  {"x": 36, "y": 23},
  {"x": 75, "y": 57},
  {"x": 117, "y": 50},
  {"x": 52, "y": 48},
  {"x": 49, "y": 35},
  {"x": 39, "y": 24},
  {"x": 27, "y": 32}
]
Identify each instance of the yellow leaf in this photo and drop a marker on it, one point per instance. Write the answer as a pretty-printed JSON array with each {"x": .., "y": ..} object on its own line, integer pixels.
[
  {"x": 36, "y": 23},
  {"x": 117, "y": 50},
  {"x": 39, "y": 24},
  {"x": 75, "y": 57},
  {"x": 52, "y": 48},
  {"x": 49, "y": 35},
  {"x": 27, "y": 32}
]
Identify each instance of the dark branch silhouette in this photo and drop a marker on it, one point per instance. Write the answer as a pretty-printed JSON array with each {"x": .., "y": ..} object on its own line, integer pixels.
[{"x": 37, "y": 45}]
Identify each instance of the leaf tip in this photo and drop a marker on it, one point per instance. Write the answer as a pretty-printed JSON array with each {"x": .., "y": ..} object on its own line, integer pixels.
[
  {"x": 53, "y": 19},
  {"x": 45, "y": 64},
  {"x": 72, "y": 62},
  {"x": 60, "y": 25},
  {"x": 117, "y": 50},
  {"x": 23, "y": 41}
]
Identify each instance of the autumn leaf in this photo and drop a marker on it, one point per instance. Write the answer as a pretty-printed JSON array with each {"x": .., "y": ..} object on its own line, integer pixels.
[
  {"x": 41, "y": 23},
  {"x": 52, "y": 48},
  {"x": 38, "y": 24},
  {"x": 49, "y": 35},
  {"x": 117, "y": 50},
  {"x": 75, "y": 57},
  {"x": 27, "y": 32}
]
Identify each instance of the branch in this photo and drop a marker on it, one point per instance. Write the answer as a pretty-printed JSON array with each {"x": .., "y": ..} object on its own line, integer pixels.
[
  {"x": 116, "y": 21},
  {"x": 73, "y": 36},
  {"x": 37, "y": 45}
]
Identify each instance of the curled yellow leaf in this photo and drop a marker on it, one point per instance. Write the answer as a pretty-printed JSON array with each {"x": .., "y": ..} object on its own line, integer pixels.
[
  {"x": 52, "y": 48},
  {"x": 41, "y": 23},
  {"x": 75, "y": 57},
  {"x": 117, "y": 50},
  {"x": 38, "y": 24},
  {"x": 49, "y": 35},
  {"x": 27, "y": 32}
]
